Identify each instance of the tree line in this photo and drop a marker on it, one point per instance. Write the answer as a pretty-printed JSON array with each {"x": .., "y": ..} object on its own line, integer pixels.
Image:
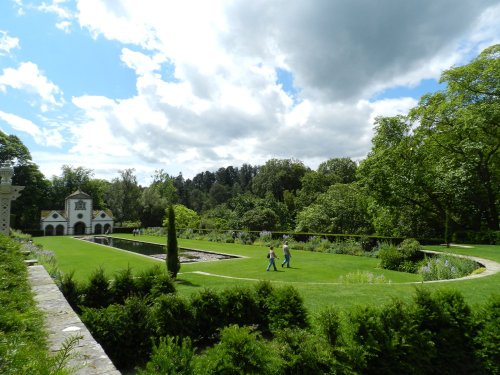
[{"x": 433, "y": 171}]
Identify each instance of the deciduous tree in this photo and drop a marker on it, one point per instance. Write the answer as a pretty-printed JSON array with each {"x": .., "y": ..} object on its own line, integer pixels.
[
  {"x": 123, "y": 196},
  {"x": 277, "y": 176}
]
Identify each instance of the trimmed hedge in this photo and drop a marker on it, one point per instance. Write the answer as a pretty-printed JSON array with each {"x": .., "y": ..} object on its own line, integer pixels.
[
  {"x": 128, "y": 332},
  {"x": 266, "y": 329}
]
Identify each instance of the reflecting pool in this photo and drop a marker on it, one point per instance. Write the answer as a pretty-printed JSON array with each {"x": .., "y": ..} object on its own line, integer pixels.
[{"x": 156, "y": 250}]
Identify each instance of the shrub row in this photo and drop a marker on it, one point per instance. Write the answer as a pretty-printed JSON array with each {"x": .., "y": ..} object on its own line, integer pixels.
[
  {"x": 127, "y": 331},
  {"x": 102, "y": 291},
  {"x": 435, "y": 334},
  {"x": 266, "y": 330},
  {"x": 300, "y": 241},
  {"x": 491, "y": 237}
]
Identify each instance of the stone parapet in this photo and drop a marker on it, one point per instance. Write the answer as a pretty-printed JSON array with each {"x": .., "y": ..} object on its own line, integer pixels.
[{"x": 61, "y": 323}]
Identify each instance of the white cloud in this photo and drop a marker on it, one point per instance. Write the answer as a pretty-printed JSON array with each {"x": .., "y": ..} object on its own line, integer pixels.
[
  {"x": 64, "y": 26},
  {"x": 42, "y": 136},
  {"x": 62, "y": 10},
  {"x": 20, "y": 7},
  {"x": 340, "y": 50},
  {"x": 7, "y": 43},
  {"x": 486, "y": 30},
  {"x": 94, "y": 135},
  {"x": 56, "y": 7},
  {"x": 142, "y": 63},
  {"x": 388, "y": 107},
  {"x": 20, "y": 124},
  {"x": 27, "y": 77},
  {"x": 206, "y": 91}
]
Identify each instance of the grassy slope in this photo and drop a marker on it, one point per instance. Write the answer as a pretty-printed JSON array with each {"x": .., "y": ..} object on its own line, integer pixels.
[{"x": 315, "y": 275}]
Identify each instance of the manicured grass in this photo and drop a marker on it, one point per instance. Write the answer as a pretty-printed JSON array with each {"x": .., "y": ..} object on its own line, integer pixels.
[
  {"x": 84, "y": 257},
  {"x": 315, "y": 275}
]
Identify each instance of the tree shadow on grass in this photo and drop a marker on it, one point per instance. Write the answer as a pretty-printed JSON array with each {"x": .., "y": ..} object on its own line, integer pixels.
[{"x": 187, "y": 283}]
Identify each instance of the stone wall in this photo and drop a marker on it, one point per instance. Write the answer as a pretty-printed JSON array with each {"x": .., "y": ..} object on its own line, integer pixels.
[{"x": 61, "y": 322}]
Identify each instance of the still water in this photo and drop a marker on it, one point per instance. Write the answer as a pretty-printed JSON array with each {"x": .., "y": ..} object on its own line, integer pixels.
[
  {"x": 155, "y": 250},
  {"x": 134, "y": 246}
]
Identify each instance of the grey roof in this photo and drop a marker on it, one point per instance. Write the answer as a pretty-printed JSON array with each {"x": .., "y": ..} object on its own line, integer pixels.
[
  {"x": 79, "y": 195},
  {"x": 46, "y": 213}
]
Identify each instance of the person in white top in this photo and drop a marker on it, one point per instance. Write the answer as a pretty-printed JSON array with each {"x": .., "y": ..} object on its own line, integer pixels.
[
  {"x": 272, "y": 256},
  {"x": 287, "y": 255}
]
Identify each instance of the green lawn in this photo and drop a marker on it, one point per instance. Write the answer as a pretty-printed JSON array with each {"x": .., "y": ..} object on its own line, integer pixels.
[{"x": 315, "y": 275}]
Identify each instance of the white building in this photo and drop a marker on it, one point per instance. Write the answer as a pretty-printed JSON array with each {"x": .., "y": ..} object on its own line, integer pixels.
[{"x": 77, "y": 218}]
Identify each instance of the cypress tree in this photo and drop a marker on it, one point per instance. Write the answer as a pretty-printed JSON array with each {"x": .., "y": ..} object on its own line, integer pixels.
[{"x": 173, "y": 264}]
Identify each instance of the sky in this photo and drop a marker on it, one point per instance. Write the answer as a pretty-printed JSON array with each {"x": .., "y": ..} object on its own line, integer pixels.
[{"x": 194, "y": 85}]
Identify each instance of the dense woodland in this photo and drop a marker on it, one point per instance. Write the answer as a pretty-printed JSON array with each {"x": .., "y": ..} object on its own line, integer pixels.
[{"x": 433, "y": 171}]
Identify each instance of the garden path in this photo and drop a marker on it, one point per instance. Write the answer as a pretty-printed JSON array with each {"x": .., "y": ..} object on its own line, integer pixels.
[{"x": 491, "y": 268}]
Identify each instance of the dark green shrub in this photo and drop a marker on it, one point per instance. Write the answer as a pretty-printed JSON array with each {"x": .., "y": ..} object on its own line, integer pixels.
[
  {"x": 491, "y": 237},
  {"x": 263, "y": 292},
  {"x": 449, "y": 320},
  {"x": 163, "y": 283},
  {"x": 410, "y": 249},
  {"x": 346, "y": 247},
  {"x": 487, "y": 339},
  {"x": 368, "y": 244},
  {"x": 240, "y": 351},
  {"x": 145, "y": 280},
  {"x": 302, "y": 352},
  {"x": 405, "y": 350},
  {"x": 172, "y": 316},
  {"x": 124, "y": 331},
  {"x": 208, "y": 315},
  {"x": 387, "y": 341},
  {"x": 400, "y": 258},
  {"x": 172, "y": 356},
  {"x": 123, "y": 286},
  {"x": 328, "y": 322},
  {"x": 97, "y": 292},
  {"x": 71, "y": 290},
  {"x": 408, "y": 266},
  {"x": 151, "y": 282},
  {"x": 389, "y": 256},
  {"x": 240, "y": 306},
  {"x": 286, "y": 309}
]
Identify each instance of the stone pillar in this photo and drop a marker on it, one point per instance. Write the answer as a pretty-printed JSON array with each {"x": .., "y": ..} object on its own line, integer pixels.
[{"x": 8, "y": 193}]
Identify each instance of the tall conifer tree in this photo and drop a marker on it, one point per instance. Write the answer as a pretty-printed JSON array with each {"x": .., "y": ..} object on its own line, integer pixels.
[{"x": 173, "y": 264}]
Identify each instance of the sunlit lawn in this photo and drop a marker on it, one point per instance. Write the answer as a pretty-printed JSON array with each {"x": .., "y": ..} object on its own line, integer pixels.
[{"x": 317, "y": 276}]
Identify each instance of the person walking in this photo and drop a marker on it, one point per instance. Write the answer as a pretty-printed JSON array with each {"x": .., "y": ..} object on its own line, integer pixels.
[
  {"x": 272, "y": 256},
  {"x": 287, "y": 255}
]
